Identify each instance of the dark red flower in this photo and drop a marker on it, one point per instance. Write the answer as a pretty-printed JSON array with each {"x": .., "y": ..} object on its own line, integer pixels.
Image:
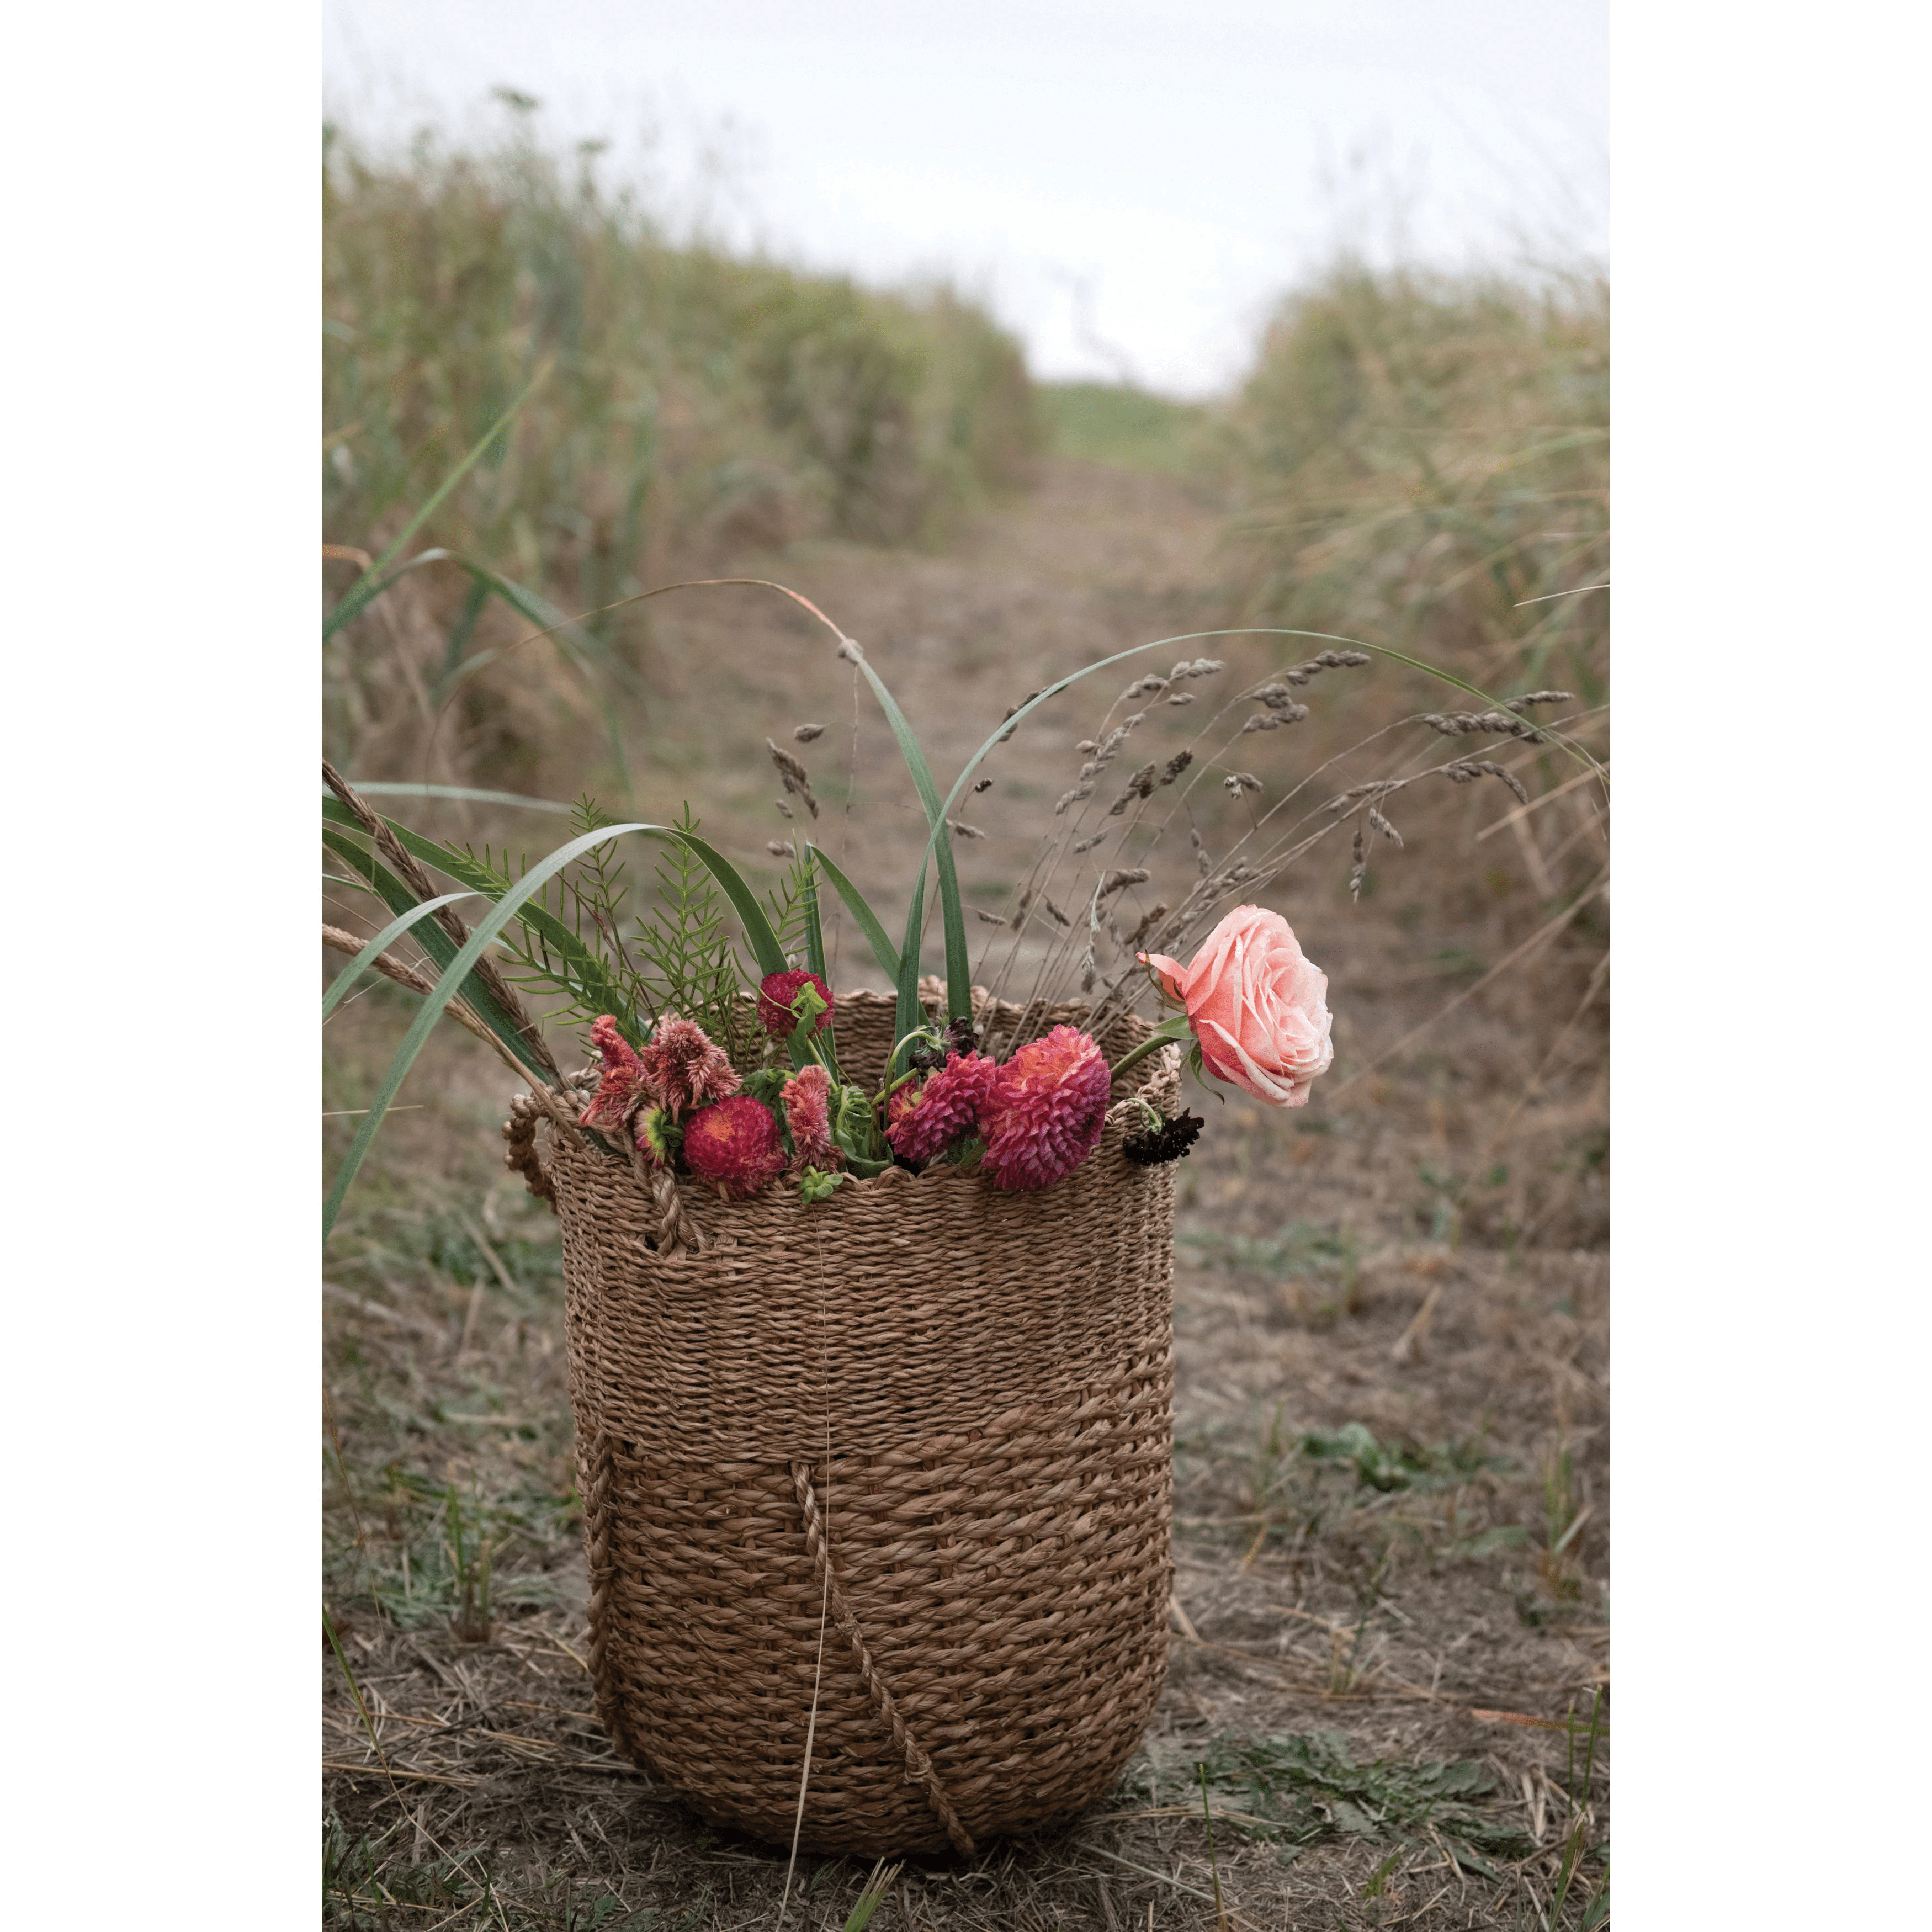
[
  {"x": 921, "y": 1120},
  {"x": 682, "y": 1067},
  {"x": 1043, "y": 1115},
  {"x": 623, "y": 1072},
  {"x": 777, "y": 990},
  {"x": 735, "y": 1145}
]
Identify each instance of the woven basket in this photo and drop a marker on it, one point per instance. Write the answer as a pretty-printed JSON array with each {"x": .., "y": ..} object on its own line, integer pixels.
[{"x": 910, "y": 1446}]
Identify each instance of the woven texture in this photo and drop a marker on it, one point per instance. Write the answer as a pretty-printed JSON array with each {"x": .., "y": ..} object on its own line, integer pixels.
[{"x": 912, "y": 1443}]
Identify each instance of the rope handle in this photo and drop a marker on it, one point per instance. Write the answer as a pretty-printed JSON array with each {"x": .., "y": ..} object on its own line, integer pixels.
[{"x": 919, "y": 1769}]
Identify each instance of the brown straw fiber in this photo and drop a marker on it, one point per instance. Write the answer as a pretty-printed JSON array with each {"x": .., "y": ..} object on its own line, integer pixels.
[{"x": 958, "y": 1399}]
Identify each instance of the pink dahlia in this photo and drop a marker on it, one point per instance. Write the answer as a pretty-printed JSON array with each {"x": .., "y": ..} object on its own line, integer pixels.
[
  {"x": 623, "y": 1075},
  {"x": 776, "y": 992},
  {"x": 807, "y": 1096},
  {"x": 734, "y": 1144},
  {"x": 1044, "y": 1114},
  {"x": 921, "y": 1120},
  {"x": 684, "y": 1068}
]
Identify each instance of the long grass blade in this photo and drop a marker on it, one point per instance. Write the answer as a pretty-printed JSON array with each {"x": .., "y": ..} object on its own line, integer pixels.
[
  {"x": 867, "y": 920},
  {"x": 492, "y": 923},
  {"x": 369, "y": 584},
  {"x": 909, "y": 1013},
  {"x": 438, "y": 944},
  {"x": 586, "y": 975},
  {"x": 339, "y": 986},
  {"x": 383, "y": 788},
  {"x": 953, "y": 917}
]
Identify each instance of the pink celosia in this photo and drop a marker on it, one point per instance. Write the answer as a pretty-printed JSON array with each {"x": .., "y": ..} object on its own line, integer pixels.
[
  {"x": 734, "y": 1144},
  {"x": 1043, "y": 1114},
  {"x": 623, "y": 1072},
  {"x": 777, "y": 990},
  {"x": 921, "y": 1120},
  {"x": 807, "y": 1096},
  {"x": 683, "y": 1069}
]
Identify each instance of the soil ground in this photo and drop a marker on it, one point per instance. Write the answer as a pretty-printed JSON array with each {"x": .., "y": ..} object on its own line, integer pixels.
[{"x": 1391, "y": 1496}]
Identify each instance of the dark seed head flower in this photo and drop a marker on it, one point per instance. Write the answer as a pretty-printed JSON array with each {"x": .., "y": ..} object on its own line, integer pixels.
[
  {"x": 684, "y": 1068},
  {"x": 1043, "y": 1115},
  {"x": 623, "y": 1075},
  {"x": 734, "y": 1144},
  {"x": 776, "y": 993},
  {"x": 1153, "y": 1146},
  {"x": 921, "y": 1120}
]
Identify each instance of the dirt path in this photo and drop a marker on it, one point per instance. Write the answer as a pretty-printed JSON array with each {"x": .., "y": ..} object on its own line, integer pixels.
[{"x": 1391, "y": 1475}]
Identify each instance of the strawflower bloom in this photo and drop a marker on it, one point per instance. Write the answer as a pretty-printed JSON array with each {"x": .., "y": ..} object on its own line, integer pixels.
[
  {"x": 1257, "y": 1005},
  {"x": 682, "y": 1067},
  {"x": 623, "y": 1076},
  {"x": 921, "y": 1120},
  {"x": 807, "y": 1096},
  {"x": 734, "y": 1144},
  {"x": 777, "y": 990},
  {"x": 1043, "y": 1114}
]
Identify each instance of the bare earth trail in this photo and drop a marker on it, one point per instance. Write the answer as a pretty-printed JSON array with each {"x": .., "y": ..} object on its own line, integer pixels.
[{"x": 1390, "y": 1312}]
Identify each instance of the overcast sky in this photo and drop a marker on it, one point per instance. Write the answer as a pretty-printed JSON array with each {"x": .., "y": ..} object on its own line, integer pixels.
[{"x": 1129, "y": 183}]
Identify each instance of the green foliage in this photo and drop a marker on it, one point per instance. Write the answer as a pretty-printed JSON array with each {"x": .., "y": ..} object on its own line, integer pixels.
[
  {"x": 1300, "y": 1250},
  {"x": 690, "y": 961},
  {"x": 1297, "y": 1790},
  {"x": 1122, "y": 427},
  {"x": 1386, "y": 1466},
  {"x": 353, "y": 1868}
]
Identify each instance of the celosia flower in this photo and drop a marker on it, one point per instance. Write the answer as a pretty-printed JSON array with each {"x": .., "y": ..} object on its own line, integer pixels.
[
  {"x": 807, "y": 1096},
  {"x": 776, "y": 992},
  {"x": 1043, "y": 1114},
  {"x": 623, "y": 1072},
  {"x": 658, "y": 1136},
  {"x": 683, "y": 1069},
  {"x": 921, "y": 1120},
  {"x": 734, "y": 1144}
]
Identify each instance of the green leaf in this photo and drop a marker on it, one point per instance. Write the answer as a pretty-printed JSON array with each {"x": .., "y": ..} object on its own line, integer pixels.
[
  {"x": 958, "y": 970},
  {"x": 492, "y": 922},
  {"x": 437, "y": 944},
  {"x": 369, "y": 584},
  {"x": 387, "y": 938},
  {"x": 910, "y": 1013},
  {"x": 883, "y": 950},
  {"x": 587, "y": 976}
]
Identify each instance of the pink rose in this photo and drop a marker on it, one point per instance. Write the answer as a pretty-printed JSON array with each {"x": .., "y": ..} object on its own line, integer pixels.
[{"x": 1257, "y": 1005}]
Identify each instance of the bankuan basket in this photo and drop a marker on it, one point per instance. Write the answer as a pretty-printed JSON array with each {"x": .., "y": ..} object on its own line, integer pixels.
[{"x": 911, "y": 1444}]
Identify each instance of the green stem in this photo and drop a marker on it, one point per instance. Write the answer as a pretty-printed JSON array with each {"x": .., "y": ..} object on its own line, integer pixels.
[{"x": 1168, "y": 1034}]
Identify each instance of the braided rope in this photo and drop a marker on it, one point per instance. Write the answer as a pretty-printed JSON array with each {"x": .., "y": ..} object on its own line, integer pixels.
[
  {"x": 919, "y": 1767},
  {"x": 600, "y": 1474},
  {"x": 521, "y": 1155}
]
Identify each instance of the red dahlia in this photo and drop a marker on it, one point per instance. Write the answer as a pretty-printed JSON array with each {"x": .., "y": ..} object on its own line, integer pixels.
[
  {"x": 777, "y": 990},
  {"x": 1043, "y": 1115},
  {"x": 683, "y": 1069},
  {"x": 922, "y": 1121},
  {"x": 623, "y": 1073},
  {"x": 734, "y": 1144}
]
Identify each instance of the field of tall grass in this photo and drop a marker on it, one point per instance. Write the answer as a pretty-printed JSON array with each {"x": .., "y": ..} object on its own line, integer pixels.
[{"x": 679, "y": 405}]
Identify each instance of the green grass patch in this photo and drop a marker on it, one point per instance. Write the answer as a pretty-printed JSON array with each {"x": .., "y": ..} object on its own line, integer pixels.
[{"x": 1123, "y": 427}]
